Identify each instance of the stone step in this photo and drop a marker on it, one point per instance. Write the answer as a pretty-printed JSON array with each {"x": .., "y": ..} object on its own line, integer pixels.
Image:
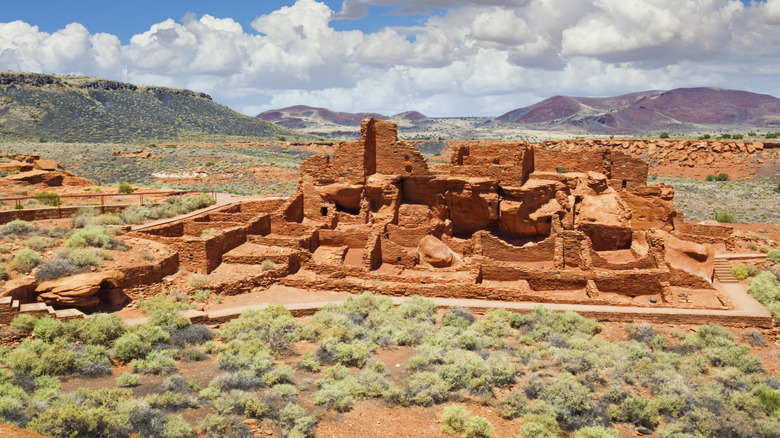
[
  {"x": 69, "y": 314},
  {"x": 254, "y": 254}
]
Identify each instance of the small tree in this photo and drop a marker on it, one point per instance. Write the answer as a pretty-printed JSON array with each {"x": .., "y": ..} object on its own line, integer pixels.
[
  {"x": 664, "y": 135},
  {"x": 125, "y": 188}
]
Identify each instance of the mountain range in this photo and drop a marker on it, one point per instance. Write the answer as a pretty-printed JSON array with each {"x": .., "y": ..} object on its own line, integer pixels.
[{"x": 680, "y": 111}]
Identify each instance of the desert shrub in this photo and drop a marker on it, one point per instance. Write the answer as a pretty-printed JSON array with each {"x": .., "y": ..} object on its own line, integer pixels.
[
  {"x": 243, "y": 380},
  {"x": 267, "y": 265},
  {"x": 24, "y": 322},
  {"x": 70, "y": 420},
  {"x": 752, "y": 246},
  {"x": 274, "y": 326},
  {"x": 478, "y": 427},
  {"x": 511, "y": 406},
  {"x": 107, "y": 219},
  {"x": 568, "y": 398},
  {"x": 418, "y": 309},
  {"x": 83, "y": 217},
  {"x": 127, "y": 380},
  {"x": 539, "y": 426},
  {"x": 48, "y": 329},
  {"x": 241, "y": 403},
  {"x": 38, "y": 243},
  {"x": 635, "y": 409},
  {"x": 173, "y": 206},
  {"x": 424, "y": 389},
  {"x": 560, "y": 170},
  {"x": 293, "y": 419},
  {"x": 754, "y": 337},
  {"x": 125, "y": 188},
  {"x": 280, "y": 374},
  {"x": 3, "y": 273},
  {"x": 596, "y": 432},
  {"x": 156, "y": 362},
  {"x": 190, "y": 334},
  {"x": 171, "y": 400},
  {"x": 83, "y": 258},
  {"x": 93, "y": 236},
  {"x": 336, "y": 395},
  {"x": 763, "y": 249},
  {"x": 101, "y": 329},
  {"x": 309, "y": 362},
  {"x": 25, "y": 260},
  {"x": 354, "y": 354},
  {"x": 725, "y": 216},
  {"x": 543, "y": 322},
  {"x": 643, "y": 332},
  {"x": 198, "y": 281},
  {"x": 201, "y": 296},
  {"x": 93, "y": 361},
  {"x": 773, "y": 256},
  {"x": 743, "y": 271},
  {"x": 52, "y": 199},
  {"x": 664, "y": 135},
  {"x": 208, "y": 232},
  {"x": 766, "y": 289},
  {"x": 453, "y": 420},
  {"x": 130, "y": 346},
  {"x": 458, "y": 317},
  {"x": 17, "y": 227},
  {"x": 56, "y": 268}
]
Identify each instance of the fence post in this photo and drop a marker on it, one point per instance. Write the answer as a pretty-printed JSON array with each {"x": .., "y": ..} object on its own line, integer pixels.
[{"x": 102, "y": 204}]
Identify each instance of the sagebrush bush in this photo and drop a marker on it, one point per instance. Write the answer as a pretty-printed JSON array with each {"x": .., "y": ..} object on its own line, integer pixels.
[
  {"x": 3, "y": 273},
  {"x": 130, "y": 346},
  {"x": 101, "y": 329},
  {"x": 56, "y": 268},
  {"x": 51, "y": 199},
  {"x": 125, "y": 188},
  {"x": 453, "y": 420},
  {"x": 94, "y": 236},
  {"x": 24, "y": 322},
  {"x": 25, "y": 260},
  {"x": 267, "y": 265},
  {"x": 198, "y": 281},
  {"x": 156, "y": 362},
  {"x": 774, "y": 256},
  {"x": 596, "y": 432},
  {"x": 293, "y": 419},
  {"x": 754, "y": 337},
  {"x": 726, "y": 217},
  {"x": 478, "y": 427},
  {"x": 17, "y": 227},
  {"x": 38, "y": 243},
  {"x": 742, "y": 271},
  {"x": 127, "y": 380}
]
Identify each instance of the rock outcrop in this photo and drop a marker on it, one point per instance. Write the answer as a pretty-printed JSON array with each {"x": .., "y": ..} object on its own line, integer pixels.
[{"x": 79, "y": 290}]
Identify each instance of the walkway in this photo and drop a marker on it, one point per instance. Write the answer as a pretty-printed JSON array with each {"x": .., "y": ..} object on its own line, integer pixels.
[
  {"x": 747, "y": 311},
  {"x": 223, "y": 199}
]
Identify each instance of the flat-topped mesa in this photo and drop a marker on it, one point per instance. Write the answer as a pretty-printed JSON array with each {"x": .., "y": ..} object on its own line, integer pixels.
[{"x": 511, "y": 189}]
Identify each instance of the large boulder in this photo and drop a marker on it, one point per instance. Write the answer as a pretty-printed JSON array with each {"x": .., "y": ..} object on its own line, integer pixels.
[
  {"x": 433, "y": 252},
  {"x": 79, "y": 290},
  {"x": 695, "y": 259},
  {"x": 346, "y": 196}
]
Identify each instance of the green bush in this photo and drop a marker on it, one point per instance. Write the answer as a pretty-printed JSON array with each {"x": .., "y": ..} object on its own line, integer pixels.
[
  {"x": 424, "y": 389},
  {"x": 309, "y": 362},
  {"x": 766, "y": 289},
  {"x": 742, "y": 271},
  {"x": 267, "y": 265},
  {"x": 336, "y": 395},
  {"x": 511, "y": 406},
  {"x": 101, "y": 329},
  {"x": 156, "y": 362},
  {"x": 24, "y": 322},
  {"x": 293, "y": 419},
  {"x": 726, "y": 217},
  {"x": 722, "y": 177},
  {"x": 56, "y": 268},
  {"x": 130, "y": 346},
  {"x": 3, "y": 274},
  {"x": 198, "y": 281},
  {"x": 478, "y": 427},
  {"x": 560, "y": 170},
  {"x": 125, "y": 188},
  {"x": 596, "y": 432},
  {"x": 664, "y": 135},
  {"x": 568, "y": 398},
  {"x": 38, "y": 243},
  {"x": 773, "y": 256},
  {"x": 201, "y": 296},
  {"x": 93, "y": 236},
  {"x": 25, "y": 260},
  {"x": 51, "y": 199},
  {"x": 453, "y": 420},
  {"x": 127, "y": 380},
  {"x": 17, "y": 227},
  {"x": 764, "y": 249}
]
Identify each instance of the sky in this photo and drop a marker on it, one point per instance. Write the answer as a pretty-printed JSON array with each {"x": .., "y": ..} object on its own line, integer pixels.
[{"x": 444, "y": 58}]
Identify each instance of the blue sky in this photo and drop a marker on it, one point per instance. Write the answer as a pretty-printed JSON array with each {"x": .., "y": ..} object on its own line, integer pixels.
[{"x": 440, "y": 57}]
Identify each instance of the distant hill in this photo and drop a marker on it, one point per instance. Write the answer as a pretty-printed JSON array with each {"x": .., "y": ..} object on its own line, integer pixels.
[
  {"x": 682, "y": 109},
  {"x": 85, "y": 109},
  {"x": 322, "y": 121}
]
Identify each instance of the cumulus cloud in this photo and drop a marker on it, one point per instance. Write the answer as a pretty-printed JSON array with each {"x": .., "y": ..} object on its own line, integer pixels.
[{"x": 473, "y": 58}]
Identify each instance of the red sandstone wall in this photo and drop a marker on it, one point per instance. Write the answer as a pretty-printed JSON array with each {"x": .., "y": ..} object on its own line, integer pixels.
[
  {"x": 497, "y": 249},
  {"x": 546, "y": 160},
  {"x": 628, "y": 172},
  {"x": 353, "y": 238}
]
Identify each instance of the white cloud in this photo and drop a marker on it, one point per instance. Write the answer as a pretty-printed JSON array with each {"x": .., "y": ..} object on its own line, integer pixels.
[{"x": 477, "y": 57}]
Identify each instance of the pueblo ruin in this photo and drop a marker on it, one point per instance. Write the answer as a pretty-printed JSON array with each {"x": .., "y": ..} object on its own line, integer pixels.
[{"x": 502, "y": 221}]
